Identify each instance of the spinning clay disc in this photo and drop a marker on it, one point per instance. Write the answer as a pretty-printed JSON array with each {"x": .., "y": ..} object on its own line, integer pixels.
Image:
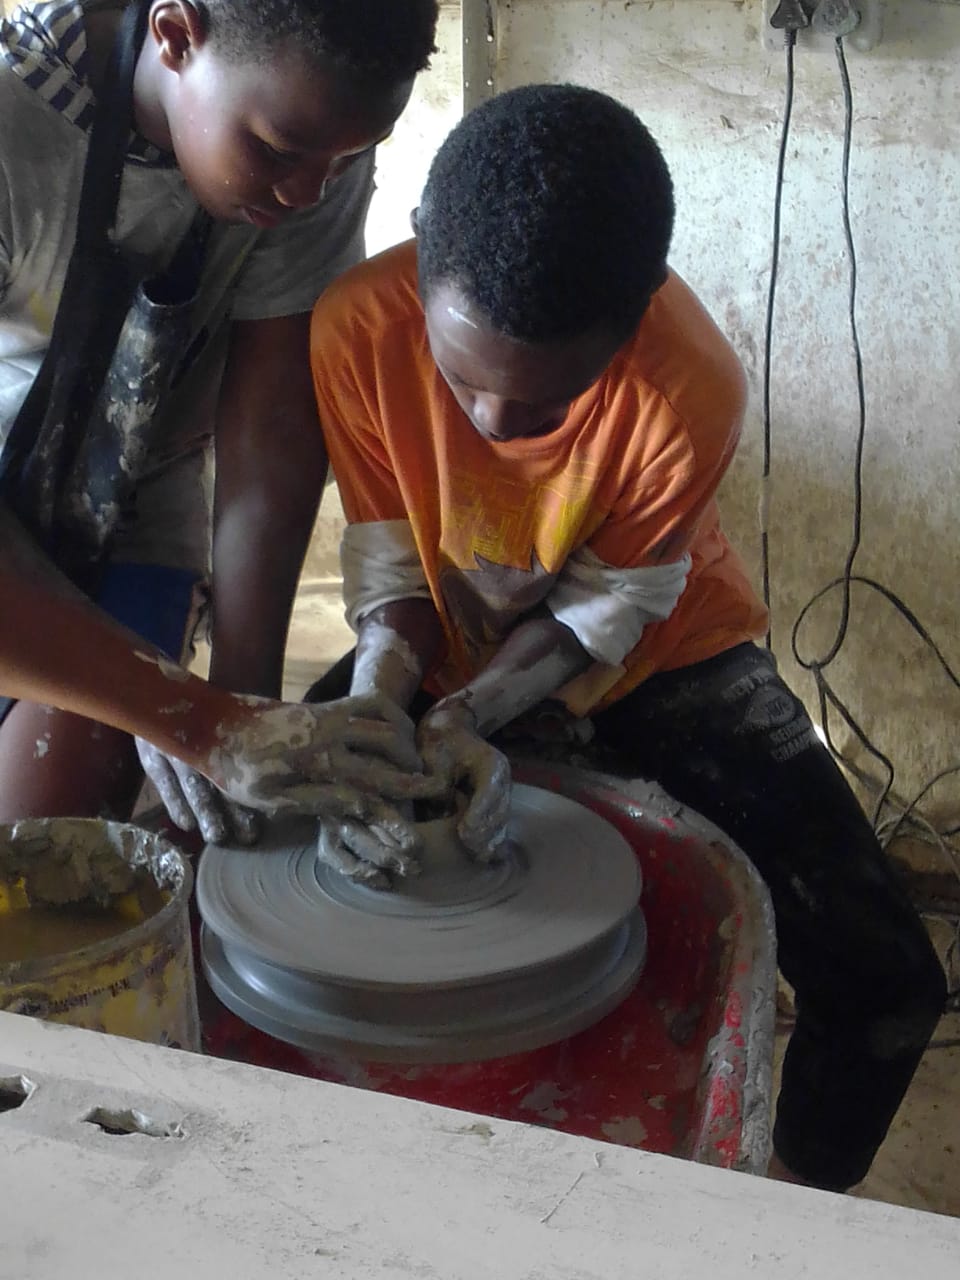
[{"x": 460, "y": 963}]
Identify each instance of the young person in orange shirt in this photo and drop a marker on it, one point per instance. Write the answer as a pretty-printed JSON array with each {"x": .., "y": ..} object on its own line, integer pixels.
[{"x": 528, "y": 414}]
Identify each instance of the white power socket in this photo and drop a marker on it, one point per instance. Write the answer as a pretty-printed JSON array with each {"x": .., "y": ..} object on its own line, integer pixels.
[{"x": 866, "y": 36}]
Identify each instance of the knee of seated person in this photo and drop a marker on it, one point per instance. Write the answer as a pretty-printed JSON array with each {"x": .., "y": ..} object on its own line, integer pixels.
[{"x": 921, "y": 1000}]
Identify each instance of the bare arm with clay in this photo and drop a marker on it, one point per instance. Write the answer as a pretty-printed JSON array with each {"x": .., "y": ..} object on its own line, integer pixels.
[
  {"x": 396, "y": 644},
  {"x": 593, "y": 616},
  {"x": 57, "y": 648},
  {"x": 537, "y": 658},
  {"x": 271, "y": 466}
]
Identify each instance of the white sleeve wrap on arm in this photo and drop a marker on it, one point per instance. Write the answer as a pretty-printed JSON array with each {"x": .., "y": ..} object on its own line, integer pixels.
[
  {"x": 607, "y": 608},
  {"x": 380, "y": 563}
]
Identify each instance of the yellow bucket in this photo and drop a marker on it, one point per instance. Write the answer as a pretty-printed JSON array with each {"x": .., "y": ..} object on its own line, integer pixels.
[{"x": 95, "y": 931}]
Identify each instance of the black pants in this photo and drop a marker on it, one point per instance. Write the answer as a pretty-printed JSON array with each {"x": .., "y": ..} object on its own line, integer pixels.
[{"x": 728, "y": 738}]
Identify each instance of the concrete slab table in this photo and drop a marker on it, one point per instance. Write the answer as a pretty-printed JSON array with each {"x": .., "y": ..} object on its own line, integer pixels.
[{"x": 245, "y": 1173}]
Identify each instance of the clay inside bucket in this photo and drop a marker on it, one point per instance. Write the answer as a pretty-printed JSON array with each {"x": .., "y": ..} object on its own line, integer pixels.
[
  {"x": 67, "y": 885},
  {"x": 36, "y": 931},
  {"x": 95, "y": 930}
]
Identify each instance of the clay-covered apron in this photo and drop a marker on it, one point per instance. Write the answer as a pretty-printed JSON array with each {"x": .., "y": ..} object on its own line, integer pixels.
[{"x": 78, "y": 445}]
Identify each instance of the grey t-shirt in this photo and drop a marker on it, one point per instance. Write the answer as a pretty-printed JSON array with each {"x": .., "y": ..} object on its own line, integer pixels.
[{"x": 281, "y": 272}]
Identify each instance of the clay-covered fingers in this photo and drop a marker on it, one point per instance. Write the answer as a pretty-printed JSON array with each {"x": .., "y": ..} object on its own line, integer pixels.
[
  {"x": 160, "y": 771},
  {"x": 332, "y": 851},
  {"x": 277, "y": 756},
  {"x": 370, "y": 774},
  {"x": 483, "y": 827},
  {"x": 365, "y": 742},
  {"x": 363, "y": 853},
  {"x": 220, "y": 819},
  {"x": 466, "y": 763},
  {"x": 377, "y": 706},
  {"x": 193, "y": 803},
  {"x": 388, "y": 736},
  {"x": 338, "y": 803}
]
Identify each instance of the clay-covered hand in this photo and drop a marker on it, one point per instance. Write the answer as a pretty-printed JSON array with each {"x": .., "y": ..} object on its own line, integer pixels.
[
  {"x": 466, "y": 765},
  {"x": 371, "y": 849},
  {"x": 193, "y": 803},
  {"x": 320, "y": 758}
]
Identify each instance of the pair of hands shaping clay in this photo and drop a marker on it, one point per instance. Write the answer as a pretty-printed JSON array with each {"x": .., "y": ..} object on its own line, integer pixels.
[
  {"x": 470, "y": 776},
  {"x": 357, "y": 763}
]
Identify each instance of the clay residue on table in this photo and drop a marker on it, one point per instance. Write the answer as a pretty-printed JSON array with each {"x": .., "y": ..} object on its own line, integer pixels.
[{"x": 627, "y": 1131}]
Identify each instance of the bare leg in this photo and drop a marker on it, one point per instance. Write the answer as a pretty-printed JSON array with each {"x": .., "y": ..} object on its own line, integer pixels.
[{"x": 54, "y": 764}]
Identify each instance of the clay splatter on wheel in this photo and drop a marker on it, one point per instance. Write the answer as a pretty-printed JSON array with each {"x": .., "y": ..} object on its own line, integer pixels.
[{"x": 461, "y": 963}]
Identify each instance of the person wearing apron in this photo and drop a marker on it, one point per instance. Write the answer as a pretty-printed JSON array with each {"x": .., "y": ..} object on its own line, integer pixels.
[{"x": 177, "y": 185}]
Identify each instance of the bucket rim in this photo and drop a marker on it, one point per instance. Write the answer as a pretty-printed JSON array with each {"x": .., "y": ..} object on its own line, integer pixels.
[{"x": 59, "y": 962}]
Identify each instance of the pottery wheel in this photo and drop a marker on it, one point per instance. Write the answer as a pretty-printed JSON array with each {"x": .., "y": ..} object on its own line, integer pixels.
[{"x": 460, "y": 963}]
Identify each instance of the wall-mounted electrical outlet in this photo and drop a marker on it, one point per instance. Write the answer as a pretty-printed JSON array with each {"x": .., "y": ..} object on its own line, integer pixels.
[{"x": 865, "y": 37}]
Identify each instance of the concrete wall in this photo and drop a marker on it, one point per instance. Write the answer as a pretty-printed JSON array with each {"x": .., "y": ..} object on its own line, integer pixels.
[
  {"x": 696, "y": 72},
  {"x": 318, "y": 634},
  {"x": 403, "y": 160}
]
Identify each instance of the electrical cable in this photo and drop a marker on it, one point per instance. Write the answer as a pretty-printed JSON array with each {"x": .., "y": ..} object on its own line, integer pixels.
[
  {"x": 790, "y": 40},
  {"x": 817, "y": 666},
  {"x": 827, "y": 697}
]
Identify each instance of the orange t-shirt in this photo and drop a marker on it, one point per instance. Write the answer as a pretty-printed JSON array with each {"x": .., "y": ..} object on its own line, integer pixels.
[{"x": 631, "y": 473}]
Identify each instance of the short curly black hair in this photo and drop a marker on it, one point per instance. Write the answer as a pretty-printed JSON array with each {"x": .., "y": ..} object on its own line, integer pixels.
[
  {"x": 388, "y": 39},
  {"x": 551, "y": 207}
]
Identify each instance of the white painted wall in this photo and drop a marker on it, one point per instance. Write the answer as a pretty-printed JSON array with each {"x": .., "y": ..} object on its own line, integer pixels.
[
  {"x": 403, "y": 160},
  {"x": 318, "y": 634},
  {"x": 696, "y": 73}
]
